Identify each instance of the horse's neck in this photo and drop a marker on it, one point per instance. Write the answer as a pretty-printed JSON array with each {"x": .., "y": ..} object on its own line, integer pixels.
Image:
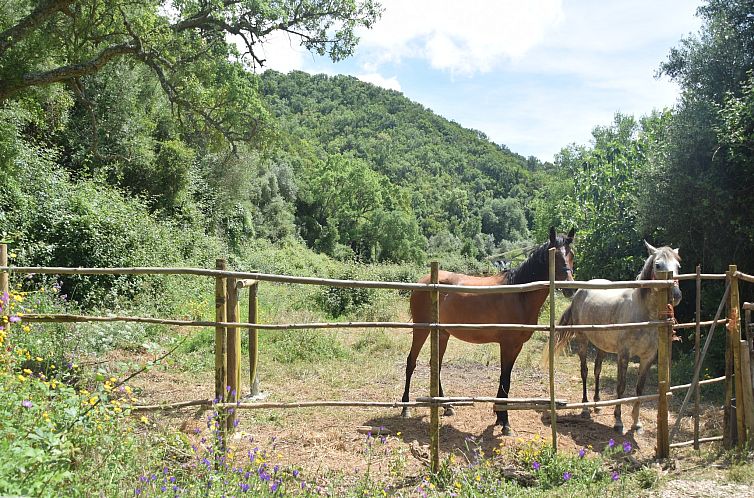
[
  {"x": 528, "y": 272},
  {"x": 649, "y": 302}
]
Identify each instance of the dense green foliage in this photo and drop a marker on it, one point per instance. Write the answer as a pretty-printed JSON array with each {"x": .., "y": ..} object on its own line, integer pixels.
[{"x": 427, "y": 176}]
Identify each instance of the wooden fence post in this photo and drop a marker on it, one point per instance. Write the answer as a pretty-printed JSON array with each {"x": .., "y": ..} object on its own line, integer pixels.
[
  {"x": 233, "y": 347},
  {"x": 553, "y": 411},
  {"x": 253, "y": 339},
  {"x": 734, "y": 336},
  {"x": 4, "y": 280},
  {"x": 221, "y": 375},
  {"x": 434, "y": 372},
  {"x": 664, "y": 335},
  {"x": 697, "y": 353},
  {"x": 747, "y": 403}
]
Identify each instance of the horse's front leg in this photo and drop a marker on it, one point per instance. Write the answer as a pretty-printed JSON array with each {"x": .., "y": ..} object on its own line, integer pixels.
[
  {"x": 419, "y": 338},
  {"x": 506, "y": 367},
  {"x": 644, "y": 364},
  {"x": 583, "y": 346},
  {"x": 622, "y": 370}
]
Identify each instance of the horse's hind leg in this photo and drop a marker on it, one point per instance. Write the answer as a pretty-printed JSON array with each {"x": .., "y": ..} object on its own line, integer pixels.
[
  {"x": 644, "y": 365},
  {"x": 584, "y": 375},
  {"x": 622, "y": 368},
  {"x": 420, "y": 336},
  {"x": 597, "y": 371},
  {"x": 444, "y": 336}
]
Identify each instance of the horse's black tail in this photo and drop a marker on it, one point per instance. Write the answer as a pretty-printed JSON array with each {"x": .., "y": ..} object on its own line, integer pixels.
[{"x": 562, "y": 337}]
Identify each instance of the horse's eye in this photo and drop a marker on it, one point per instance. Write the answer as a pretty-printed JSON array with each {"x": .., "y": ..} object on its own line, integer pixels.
[{"x": 658, "y": 266}]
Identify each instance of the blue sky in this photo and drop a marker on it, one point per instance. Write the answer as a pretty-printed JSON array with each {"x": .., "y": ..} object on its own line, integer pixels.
[{"x": 534, "y": 75}]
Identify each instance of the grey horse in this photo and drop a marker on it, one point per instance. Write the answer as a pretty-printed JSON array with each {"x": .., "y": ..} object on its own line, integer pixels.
[{"x": 606, "y": 306}]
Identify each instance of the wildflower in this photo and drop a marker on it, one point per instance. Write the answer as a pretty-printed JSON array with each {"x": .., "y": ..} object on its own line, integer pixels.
[
  {"x": 26, "y": 403},
  {"x": 611, "y": 443},
  {"x": 615, "y": 476},
  {"x": 626, "y": 447},
  {"x": 535, "y": 465},
  {"x": 567, "y": 476},
  {"x": 582, "y": 452},
  {"x": 295, "y": 472},
  {"x": 244, "y": 487},
  {"x": 144, "y": 419},
  {"x": 14, "y": 319},
  {"x": 274, "y": 486},
  {"x": 21, "y": 378}
]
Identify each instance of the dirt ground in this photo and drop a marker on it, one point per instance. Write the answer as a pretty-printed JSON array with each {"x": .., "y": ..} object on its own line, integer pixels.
[{"x": 321, "y": 440}]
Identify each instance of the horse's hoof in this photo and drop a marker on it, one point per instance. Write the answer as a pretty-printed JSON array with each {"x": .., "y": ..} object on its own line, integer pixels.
[
  {"x": 406, "y": 413},
  {"x": 507, "y": 431},
  {"x": 585, "y": 413},
  {"x": 449, "y": 411},
  {"x": 638, "y": 429}
]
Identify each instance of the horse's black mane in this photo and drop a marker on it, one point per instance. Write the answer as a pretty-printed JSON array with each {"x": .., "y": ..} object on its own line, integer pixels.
[{"x": 536, "y": 266}]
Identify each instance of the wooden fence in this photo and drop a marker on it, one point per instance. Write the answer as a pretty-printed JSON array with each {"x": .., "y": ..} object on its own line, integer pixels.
[{"x": 738, "y": 422}]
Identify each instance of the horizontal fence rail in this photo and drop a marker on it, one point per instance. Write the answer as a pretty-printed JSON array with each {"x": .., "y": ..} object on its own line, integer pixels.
[
  {"x": 467, "y": 289},
  {"x": 67, "y": 318}
]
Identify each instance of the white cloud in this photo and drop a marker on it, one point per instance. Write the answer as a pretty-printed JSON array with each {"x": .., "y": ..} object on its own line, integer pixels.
[
  {"x": 283, "y": 52},
  {"x": 391, "y": 83},
  {"x": 462, "y": 39}
]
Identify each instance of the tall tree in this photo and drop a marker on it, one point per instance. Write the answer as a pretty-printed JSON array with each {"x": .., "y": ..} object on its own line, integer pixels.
[{"x": 185, "y": 44}]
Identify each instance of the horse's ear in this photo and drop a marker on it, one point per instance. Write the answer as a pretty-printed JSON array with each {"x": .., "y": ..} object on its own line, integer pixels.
[
  {"x": 570, "y": 235},
  {"x": 677, "y": 253},
  {"x": 652, "y": 249},
  {"x": 553, "y": 237}
]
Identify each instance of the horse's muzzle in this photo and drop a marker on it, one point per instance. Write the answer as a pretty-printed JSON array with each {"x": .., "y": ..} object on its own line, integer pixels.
[{"x": 676, "y": 294}]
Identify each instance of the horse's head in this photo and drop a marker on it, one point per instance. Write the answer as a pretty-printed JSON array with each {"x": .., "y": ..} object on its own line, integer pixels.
[
  {"x": 664, "y": 258},
  {"x": 563, "y": 257}
]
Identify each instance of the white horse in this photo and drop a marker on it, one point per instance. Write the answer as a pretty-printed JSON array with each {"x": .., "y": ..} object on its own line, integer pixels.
[{"x": 620, "y": 306}]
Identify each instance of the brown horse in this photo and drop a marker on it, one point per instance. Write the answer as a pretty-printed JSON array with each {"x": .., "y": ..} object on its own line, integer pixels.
[{"x": 515, "y": 308}]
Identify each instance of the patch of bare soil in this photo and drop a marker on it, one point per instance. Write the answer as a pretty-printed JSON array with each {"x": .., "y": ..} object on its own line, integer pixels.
[{"x": 321, "y": 440}]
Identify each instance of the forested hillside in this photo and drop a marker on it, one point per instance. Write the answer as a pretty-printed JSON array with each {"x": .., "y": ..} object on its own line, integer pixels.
[{"x": 410, "y": 167}]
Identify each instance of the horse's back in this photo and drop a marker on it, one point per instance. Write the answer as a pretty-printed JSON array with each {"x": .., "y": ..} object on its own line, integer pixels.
[{"x": 610, "y": 306}]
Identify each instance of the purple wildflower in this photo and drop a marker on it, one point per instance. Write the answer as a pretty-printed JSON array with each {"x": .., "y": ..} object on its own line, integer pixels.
[
  {"x": 615, "y": 476},
  {"x": 137, "y": 491},
  {"x": 535, "y": 465},
  {"x": 626, "y": 447},
  {"x": 567, "y": 476},
  {"x": 611, "y": 443},
  {"x": 14, "y": 319},
  {"x": 295, "y": 472},
  {"x": 582, "y": 452},
  {"x": 245, "y": 487},
  {"x": 27, "y": 404},
  {"x": 274, "y": 486}
]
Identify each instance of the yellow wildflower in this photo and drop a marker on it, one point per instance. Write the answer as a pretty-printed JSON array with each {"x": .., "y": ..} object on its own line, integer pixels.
[
  {"x": 144, "y": 419},
  {"x": 21, "y": 378},
  {"x": 27, "y": 371}
]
